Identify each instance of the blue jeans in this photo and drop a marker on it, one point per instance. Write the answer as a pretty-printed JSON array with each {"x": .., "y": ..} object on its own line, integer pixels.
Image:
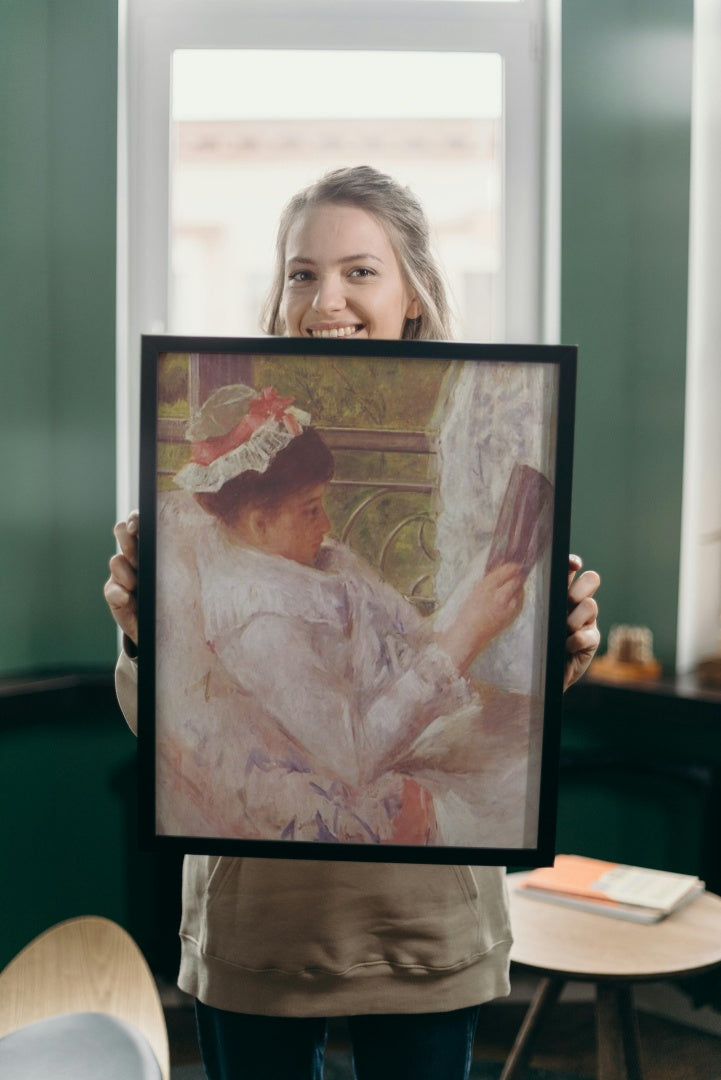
[{"x": 415, "y": 1046}]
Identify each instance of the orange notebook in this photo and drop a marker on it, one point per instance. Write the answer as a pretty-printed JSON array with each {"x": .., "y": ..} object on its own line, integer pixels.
[{"x": 631, "y": 892}]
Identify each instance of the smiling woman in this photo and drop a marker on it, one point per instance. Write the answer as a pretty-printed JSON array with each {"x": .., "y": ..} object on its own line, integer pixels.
[{"x": 353, "y": 259}]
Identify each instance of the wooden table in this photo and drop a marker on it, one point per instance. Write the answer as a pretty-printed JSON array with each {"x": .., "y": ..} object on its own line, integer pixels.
[{"x": 563, "y": 944}]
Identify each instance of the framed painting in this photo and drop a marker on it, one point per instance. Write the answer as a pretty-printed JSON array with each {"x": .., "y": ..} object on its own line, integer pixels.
[{"x": 352, "y": 597}]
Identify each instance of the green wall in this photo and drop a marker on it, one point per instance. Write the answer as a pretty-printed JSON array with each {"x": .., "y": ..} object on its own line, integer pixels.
[
  {"x": 58, "y": 75},
  {"x": 626, "y": 146}
]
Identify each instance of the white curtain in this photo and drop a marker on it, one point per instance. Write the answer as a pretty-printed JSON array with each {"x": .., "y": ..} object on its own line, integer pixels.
[{"x": 700, "y": 583}]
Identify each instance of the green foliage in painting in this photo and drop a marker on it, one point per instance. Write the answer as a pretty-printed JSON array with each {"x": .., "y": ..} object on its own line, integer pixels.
[
  {"x": 394, "y": 531},
  {"x": 375, "y": 466},
  {"x": 171, "y": 458},
  {"x": 173, "y": 378},
  {"x": 357, "y": 393}
]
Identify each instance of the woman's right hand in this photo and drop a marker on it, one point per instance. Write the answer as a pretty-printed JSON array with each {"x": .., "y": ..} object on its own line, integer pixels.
[{"x": 121, "y": 587}]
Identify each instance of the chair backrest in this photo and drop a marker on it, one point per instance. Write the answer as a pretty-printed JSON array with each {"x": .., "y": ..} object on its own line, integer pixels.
[{"x": 87, "y": 964}]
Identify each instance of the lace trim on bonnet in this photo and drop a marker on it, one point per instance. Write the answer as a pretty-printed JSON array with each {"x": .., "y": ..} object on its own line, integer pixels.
[
  {"x": 238, "y": 429},
  {"x": 256, "y": 454}
]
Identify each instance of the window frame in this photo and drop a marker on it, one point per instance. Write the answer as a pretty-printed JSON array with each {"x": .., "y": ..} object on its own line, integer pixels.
[{"x": 526, "y": 34}]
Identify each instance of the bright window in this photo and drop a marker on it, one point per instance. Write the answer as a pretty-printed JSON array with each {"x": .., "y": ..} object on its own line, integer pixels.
[
  {"x": 227, "y": 107},
  {"x": 236, "y": 159}
]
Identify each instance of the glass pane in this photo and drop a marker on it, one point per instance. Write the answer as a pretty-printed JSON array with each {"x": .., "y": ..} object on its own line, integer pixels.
[
  {"x": 250, "y": 128},
  {"x": 454, "y": 1}
]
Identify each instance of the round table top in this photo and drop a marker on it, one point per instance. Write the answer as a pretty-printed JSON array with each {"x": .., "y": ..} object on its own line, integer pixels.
[{"x": 559, "y": 940}]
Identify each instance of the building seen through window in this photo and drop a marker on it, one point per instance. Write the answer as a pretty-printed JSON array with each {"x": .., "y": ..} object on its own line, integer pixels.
[{"x": 234, "y": 166}]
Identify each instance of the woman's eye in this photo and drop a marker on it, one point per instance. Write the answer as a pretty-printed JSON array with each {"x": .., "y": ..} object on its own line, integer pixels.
[
  {"x": 362, "y": 272},
  {"x": 300, "y": 276}
]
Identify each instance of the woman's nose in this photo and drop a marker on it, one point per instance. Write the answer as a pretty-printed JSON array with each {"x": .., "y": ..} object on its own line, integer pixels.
[{"x": 329, "y": 296}]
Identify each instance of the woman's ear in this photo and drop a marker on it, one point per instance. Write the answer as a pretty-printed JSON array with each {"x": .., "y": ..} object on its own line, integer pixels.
[
  {"x": 256, "y": 525},
  {"x": 250, "y": 525},
  {"x": 415, "y": 309}
]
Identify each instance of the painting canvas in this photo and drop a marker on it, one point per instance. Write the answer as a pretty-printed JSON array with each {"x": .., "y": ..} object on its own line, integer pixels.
[{"x": 352, "y": 596}]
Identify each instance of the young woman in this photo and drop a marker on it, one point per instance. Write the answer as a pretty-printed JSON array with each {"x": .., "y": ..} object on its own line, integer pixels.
[{"x": 271, "y": 948}]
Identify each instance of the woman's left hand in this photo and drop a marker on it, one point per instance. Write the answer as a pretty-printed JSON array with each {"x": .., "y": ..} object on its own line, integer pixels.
[{"x": 582, "y": 633}]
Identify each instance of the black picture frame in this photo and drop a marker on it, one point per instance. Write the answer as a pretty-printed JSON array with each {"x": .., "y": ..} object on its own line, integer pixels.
[{"x": 232, "y": 740}]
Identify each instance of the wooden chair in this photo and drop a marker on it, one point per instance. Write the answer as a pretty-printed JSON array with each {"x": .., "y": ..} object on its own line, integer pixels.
[{"x": 80, "y": 975}]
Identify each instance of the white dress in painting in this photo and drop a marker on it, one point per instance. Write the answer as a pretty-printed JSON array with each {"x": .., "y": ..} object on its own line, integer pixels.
[{"x": 313, "y": 703}]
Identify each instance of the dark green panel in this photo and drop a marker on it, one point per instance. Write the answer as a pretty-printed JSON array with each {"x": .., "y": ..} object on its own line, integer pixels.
[
  {"x": 26, "y": 486},
  {"x": 641, "y": 777},
  {"x": 68, "y": 785},
  {"x": 82, "y": 222},
  {"x": 626, "y": 145},
  {"x": 57, "y": 316},
  {"x": 65, "y": 785},
  {"x": 628, "y": 817}
]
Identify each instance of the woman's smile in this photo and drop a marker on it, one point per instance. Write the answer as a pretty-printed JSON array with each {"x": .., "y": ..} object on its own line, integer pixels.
[{"x": 335, "y": 331}]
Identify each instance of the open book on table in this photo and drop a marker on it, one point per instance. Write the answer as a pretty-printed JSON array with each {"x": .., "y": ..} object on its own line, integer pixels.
[{"x": 608, "y": 888}]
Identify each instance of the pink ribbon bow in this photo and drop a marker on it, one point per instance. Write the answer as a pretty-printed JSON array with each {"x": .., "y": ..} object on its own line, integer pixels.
[{"x": 267, "y": 405}]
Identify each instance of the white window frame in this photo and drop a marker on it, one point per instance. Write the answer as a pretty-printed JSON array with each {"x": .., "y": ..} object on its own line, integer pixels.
[
  {"x": 526, "y": 34},
  {"x": 699, "y": 596}
]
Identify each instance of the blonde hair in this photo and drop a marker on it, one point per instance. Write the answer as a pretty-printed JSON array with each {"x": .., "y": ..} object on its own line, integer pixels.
[{"x": 403, "y": 217}]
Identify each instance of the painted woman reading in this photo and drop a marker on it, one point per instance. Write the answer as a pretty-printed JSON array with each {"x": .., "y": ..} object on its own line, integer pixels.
[{"x": 326, "y": 698}]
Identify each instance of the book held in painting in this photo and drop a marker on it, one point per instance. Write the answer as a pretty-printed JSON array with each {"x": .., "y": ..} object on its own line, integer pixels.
[
  {"x": 608, "y": 888},
  {"x": 525, "y": 520}
]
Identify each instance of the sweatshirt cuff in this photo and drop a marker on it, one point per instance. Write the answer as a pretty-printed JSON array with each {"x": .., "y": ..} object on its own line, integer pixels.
[{"x": 130, "y": 648}]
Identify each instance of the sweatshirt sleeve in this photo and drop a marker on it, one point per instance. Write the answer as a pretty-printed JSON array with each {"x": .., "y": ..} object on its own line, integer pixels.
[{"x": 126, "y": 688}]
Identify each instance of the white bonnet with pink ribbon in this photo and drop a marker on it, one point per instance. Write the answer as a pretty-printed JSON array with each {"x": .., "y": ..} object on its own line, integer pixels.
[{"x": 238, "y": 429}]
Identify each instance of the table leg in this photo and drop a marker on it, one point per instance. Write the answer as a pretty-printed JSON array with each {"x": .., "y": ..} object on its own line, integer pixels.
[
  {"x": 617, "y": 1033},
  {"x": 545, "y": 997}
]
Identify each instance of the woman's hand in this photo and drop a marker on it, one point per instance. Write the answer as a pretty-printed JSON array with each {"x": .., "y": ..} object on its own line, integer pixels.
[
  {"x": 490, "y": 607},
  {"x": 121, "y": 587},
  {"x": 582, "y": 633}
]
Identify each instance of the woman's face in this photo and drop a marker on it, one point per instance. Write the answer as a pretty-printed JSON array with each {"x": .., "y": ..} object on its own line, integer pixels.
[
  {"x": 297, "y": 527},
  {"x": 342, "y": 277}
]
